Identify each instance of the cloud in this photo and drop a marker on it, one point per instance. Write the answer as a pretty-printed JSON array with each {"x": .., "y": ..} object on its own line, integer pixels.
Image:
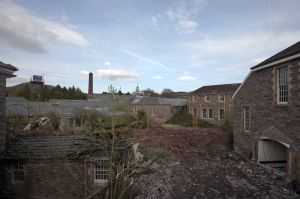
[
  {"x": 187, "y": 26},
  {"x": 22, "y": 30},
  {"x": 16, "y": 80},
  {"x": 85, "y": 73},
  {"x": 157, "y": 77},
  {"x": 183, "y": 12},
  {"x": 114, "y": 74},
  {"x": 144, "y": 58},
  {"x": 187, "y": 78},
  {"x": 107, "y": 64},
  {"x": 60, "y": 75}
]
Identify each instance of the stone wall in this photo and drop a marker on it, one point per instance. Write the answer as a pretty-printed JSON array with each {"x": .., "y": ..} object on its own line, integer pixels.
[
  {"x": 197, "y": 102},
  {"x": 155, "y": 111},
  {"x": 2, "y": 112},
  {"x": 54, "y": 179},
  {"x": 267, "y": 118}
]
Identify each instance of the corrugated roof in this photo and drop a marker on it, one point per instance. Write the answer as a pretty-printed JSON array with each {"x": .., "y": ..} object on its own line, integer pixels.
[
  {"x": 292, "y": 50},
  {"x": 221, "y": 88}
]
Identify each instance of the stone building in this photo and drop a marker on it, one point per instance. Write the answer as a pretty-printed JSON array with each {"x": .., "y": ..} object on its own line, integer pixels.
[
  {"x": 212, "y": 103},
  {"x": 58, "y": 166},
  {"x": 157, "y": 108},
  {"x": 6, "y": 71},
  {"x": 267, "y": 112}
]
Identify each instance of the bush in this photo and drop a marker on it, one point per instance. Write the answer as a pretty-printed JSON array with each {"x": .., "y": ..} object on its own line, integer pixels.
[
  {"x": 142, "y": 119},
  {"x": 182, "y": 118},
  {"x": 227, "y": 127}
]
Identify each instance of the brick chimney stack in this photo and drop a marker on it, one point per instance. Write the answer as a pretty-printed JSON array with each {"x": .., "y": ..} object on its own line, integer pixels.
[{"x": 90, "y": 92}]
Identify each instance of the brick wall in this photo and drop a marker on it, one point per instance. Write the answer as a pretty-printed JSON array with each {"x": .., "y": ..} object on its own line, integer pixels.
[
  {"x": 259, "y": 94},
  {"x": 197, "y": 102}
]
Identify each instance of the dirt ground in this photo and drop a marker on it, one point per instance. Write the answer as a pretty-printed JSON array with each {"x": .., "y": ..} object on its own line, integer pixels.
[{"x": 195, "y": 163}]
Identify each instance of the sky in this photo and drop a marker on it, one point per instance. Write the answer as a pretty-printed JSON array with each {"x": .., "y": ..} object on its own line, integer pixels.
[{"x": 157, "y": 44}]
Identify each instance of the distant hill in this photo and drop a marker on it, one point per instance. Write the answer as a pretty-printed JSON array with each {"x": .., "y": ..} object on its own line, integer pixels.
[
  {"x": 43, "y": 92},
  {"x": 35, "y": 88}
]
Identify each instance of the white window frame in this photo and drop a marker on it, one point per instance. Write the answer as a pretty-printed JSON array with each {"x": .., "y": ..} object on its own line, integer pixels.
[
  {"x": 245, "y": 108},
  {"x": 281, "y": 83},
  {"x": 105, "y": 171},
  {"x": 220, "y": 114},
  {"x": 212, "y": 113},
  {"x": 221, "y": 96},
  {"x": 204, "y": 111},
  {"x": 206, "y": 98},
  {"x": 18, "y": 172}
]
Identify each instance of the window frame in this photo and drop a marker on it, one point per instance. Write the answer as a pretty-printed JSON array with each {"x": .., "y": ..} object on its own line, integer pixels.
[
  {"x": 20, "y": 172},
  {"x": 279, "y": 85},
  {"x": 244, "y": 118},
  {"x": 206, "y": 98},
  {"x": 220, "y": 114},
  {"x": 96, "y": 162},
  {"x": 223, "y": 96}
]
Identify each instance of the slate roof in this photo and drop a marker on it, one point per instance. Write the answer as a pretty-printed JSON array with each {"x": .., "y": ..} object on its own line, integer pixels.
[
  {"x": 7, "y": 70},
  {"x": 218, "y": 89},
  {"x": 59, "y": 146},
  {"x": 159, "y": 101},
  {"x": 292, "y": 50}
]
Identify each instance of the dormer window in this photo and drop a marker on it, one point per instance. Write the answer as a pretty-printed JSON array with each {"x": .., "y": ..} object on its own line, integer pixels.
[{"x": 282, "y": 85}]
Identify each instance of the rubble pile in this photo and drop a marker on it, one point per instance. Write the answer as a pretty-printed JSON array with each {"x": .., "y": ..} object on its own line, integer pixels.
[{"x": 188, "y": 174}]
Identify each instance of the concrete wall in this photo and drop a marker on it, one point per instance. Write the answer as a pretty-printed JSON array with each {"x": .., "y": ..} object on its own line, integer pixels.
[
  {"x": 259, "y": 94},
  {"x": 197, "y": 102},
  {"x": 2, "y": 112}
]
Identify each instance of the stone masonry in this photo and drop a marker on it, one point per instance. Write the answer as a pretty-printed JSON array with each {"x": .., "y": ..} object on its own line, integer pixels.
[{"x": 267, "y": 118}]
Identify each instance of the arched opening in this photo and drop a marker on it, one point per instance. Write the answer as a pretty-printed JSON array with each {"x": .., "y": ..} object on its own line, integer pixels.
[{"x": 273, "y": 154}]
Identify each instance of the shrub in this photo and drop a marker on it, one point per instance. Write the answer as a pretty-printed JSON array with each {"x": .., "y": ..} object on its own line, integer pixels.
[
  {"x": 142, "y": 119},
  {"x": 227, "y": 127},
  {"x": 182, "y": 118}
]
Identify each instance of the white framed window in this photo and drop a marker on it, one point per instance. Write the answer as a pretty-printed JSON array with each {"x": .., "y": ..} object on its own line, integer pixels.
[
  {"x": 210, "y": 113},
  {"x": 206, "y": 98},
  {"x": 18, "y": 172},
  {"x": 204, "y": 113},
  {"x": 221, "y": 114},
  {"x": 282, "y": 85},
  {"x": 246, "y": 118},
  {"x": 221, "y": 98},
  {"x": 101, "y": 170}
]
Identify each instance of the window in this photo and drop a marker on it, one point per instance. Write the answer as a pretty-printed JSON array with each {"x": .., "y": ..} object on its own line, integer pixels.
[
  {"x": 246, "y": 118},
  {"x": 206, "y": 98},
  {"x": 221, "y": 114},
  {"x": 282, "y": 85},
  {"x": 18, "y": 172},
  {"x": 210, "y": 113},
  {"x": 221, "y": 98},
  {"x": 194, "y": 98},
  {"x": 204, "y": 113},
  {"x": 101, "y": 170},
  {"x": 195, "y": 112},
  {"x": 78, "y": 122}
]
